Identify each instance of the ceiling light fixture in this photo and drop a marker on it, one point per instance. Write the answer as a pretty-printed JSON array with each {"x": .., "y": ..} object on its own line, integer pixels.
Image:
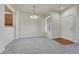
[
  {"x": 34, "y": 16},
  {"x": 61, "y": 8}
]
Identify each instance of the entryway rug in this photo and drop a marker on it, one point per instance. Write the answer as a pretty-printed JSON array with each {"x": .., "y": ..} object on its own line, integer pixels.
[{"x": 63, "y": 41}]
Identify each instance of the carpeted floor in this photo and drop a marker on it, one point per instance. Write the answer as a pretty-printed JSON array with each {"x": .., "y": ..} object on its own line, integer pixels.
[{"x": 39, "y": 45}]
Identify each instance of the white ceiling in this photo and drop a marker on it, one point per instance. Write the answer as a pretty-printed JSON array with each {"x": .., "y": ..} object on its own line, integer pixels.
[
  {"x": 42, "y": 9},
  {"x": 7, "y": 9}
]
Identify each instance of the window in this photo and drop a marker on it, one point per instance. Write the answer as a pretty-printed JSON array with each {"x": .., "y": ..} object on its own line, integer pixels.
[{"x": 48, "y": 28}]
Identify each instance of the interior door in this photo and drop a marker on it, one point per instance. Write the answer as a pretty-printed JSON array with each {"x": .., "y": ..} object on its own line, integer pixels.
[{"x": 67, "y": 26}]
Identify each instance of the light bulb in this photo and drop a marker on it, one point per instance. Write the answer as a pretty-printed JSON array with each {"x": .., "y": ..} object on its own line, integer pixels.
[
  {"x": 34, "y": 17},
  {"x": 31, "y": 17}
]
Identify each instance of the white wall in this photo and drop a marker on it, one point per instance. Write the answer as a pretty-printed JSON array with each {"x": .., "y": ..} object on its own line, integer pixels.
[
  {"x": 77, "y": 24},
  {"x": 5, "y": 32},
  {"x": 64, "y": 15},
  {"x": 8, "y": 35},
  {"x": 28, "y": 27},
  {"x": 9, "y": 30},
  {"x": 55, "y": 25},
  {"x": 1, "y": 27}
]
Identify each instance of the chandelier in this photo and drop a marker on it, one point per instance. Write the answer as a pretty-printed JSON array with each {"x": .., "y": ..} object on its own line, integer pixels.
[{"x": 34, "y": 16}]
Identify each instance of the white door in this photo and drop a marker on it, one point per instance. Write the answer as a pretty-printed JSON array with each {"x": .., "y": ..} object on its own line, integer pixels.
[{"x": 67, "y": 27}]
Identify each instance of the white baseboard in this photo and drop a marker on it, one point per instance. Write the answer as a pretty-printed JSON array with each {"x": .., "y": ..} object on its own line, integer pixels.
[
  {"x": 7, "y": 42},
  {"x": 2, "y": 50},
  {"x": 29, "y": 37},
  {"x": 76, "y": 41}
]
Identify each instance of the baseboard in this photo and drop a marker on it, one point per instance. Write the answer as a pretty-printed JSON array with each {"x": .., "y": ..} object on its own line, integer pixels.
[
  {"x": 7, "y": 42},
  {"x": 30, "y": 37},
  {"x": 2, "y": 50},
  {"x": 76, "y": 41}
]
